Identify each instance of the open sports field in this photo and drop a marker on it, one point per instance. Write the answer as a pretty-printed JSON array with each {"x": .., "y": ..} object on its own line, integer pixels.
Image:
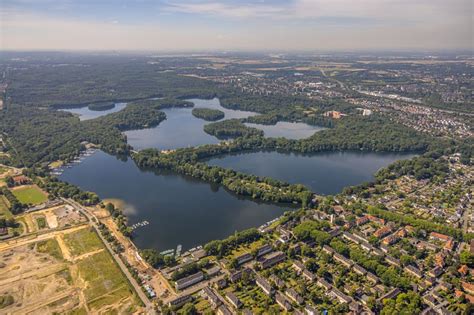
[{"x": 30, "y": 194}]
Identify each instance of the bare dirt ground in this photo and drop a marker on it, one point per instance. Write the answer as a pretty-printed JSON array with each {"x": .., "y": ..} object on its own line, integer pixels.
[
  {"x": 67, "y": 216},
  {"x": 43, "y": 277}
]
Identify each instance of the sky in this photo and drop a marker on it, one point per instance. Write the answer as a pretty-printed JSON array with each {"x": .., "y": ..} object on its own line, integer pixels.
[{"x": 227, "y": 25}]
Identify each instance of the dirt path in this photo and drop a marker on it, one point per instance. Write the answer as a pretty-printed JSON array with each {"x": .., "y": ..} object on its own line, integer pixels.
[
  {"x": 31, "y": 308},
  {"x": 83, "y": 256},
  {"x": 36, "y": 238},
  {"x": 66, "y": 253},
  {"x": 43, "y": 273}
]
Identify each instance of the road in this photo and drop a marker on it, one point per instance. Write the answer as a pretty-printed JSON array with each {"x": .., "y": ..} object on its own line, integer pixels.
[{"x": 93, "y": 219}]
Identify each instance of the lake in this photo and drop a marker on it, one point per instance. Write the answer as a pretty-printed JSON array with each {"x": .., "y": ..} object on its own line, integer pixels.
[
  {"x": 180, "y": 210},
  {"x": 181, "y": 129},
  {"x": 289, "y": 130},
  {"x": 84, "y": 113},
  {"x": 323, "y": 173}
]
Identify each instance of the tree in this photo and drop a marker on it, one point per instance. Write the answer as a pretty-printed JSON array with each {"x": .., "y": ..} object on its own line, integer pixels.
[
  {"x": 405, "y": 303},
  {"x": 466, "y": 258},
  {"x": 189, "y": 309}
]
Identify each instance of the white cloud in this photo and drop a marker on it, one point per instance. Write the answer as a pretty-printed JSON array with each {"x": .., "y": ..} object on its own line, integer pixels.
[
  {"x": 401, "y": 24},
  {"x": 226, "y": 10}
]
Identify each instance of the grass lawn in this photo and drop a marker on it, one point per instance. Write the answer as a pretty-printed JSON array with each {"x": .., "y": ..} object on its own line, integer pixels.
[
  {"x": 82, "y": 241},
  {"x": 4, "y": 209},
  {"x": 105, "y": 283},
  {"x": 51, "y": 247},
  {"x": 30, "y": 195}
]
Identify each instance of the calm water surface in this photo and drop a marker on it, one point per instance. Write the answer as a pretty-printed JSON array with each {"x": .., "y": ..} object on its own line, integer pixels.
[
  {"x": 181, "y": 129},
  {"x": 85, "y": 113},
  {"x": 323, "y": 173},
  {"x": 287, "y": 130},
  {"x": 180, "y": 210}
]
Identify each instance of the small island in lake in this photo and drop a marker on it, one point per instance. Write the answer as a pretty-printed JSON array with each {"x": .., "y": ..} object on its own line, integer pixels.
[
  {"x": 208, "y": 114},
  {"x": 101, "y": 106}
]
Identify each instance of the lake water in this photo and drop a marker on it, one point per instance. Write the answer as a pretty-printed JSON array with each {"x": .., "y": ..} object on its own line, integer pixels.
[
  {"x": 287, "y": 130},
  {"x": 85, "y": 113},
  {"x": 323, "y": 173},
  {"x": 181, "y": 129},
  {"x": 180, "y": 210}
]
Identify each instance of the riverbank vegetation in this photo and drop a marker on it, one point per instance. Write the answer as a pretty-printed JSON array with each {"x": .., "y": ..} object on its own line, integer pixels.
[
  {"x": 101, "y": 106},
  {"x": 263, "y": 188},
  {"x": 208, "y": 114},
  {"x": 231, "y": 128},
  {"x": 223, "y": 247},
  {"x": 41, "y": 135}
]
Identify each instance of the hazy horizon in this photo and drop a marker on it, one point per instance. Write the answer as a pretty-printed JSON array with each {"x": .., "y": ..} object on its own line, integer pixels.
[{"x": 231, "y": 25}]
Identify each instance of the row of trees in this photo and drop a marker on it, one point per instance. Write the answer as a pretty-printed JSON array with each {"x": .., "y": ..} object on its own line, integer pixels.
[
  {"x": 15, "y": 205},
  {"x": 262, "y": 188},
  {"x": 119, "y": 218},
  {"x": 57, "y": 188},
  {"x": 231, "y": 128},
  {"x": 223, "y": 247},
  {"x": 155, "y": 259}
]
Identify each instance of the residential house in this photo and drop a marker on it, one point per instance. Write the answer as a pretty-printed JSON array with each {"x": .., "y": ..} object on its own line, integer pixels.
[
  {"x": 223, "y": 310},
  {"x": 292, "y": 294},
  {"x": 343, "y": 260},
  {"x": 283, "y": 302},
  {"x": 244, "y": 258},
  {"x": 272, "y": 259},
  {"x": 309, "y": 275},
  {"x": 324, "y": 284},
  {"x": 265, "y": 249},
  {"x": 212, "y": 297},
  {"x": 180, "y": 300},
  {"x": 343, "y": 298},
  {"x": 413, "y": 271},
  {"x": 234, "y": 300},
  {"x": 189, "y": 280},
  {"x": 264, "y": 285}
]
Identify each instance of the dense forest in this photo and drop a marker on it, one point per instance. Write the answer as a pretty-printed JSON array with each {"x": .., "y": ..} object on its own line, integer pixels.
[
  {"x": 208, "y": 114},
  {"x": 44, "y": 135},
  {"x": 231, "y": 128},
  {"x": 98, "y": 80}
]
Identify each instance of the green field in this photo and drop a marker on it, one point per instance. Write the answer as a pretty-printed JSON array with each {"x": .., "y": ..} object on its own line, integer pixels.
[
  {"x": 4, "y": 211},
  {"x": 51, "y": 247},
  {"x": 105, "y": 282},
  {"x": 30, "y": 195},
  {"x": 82, "y": 241}
]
